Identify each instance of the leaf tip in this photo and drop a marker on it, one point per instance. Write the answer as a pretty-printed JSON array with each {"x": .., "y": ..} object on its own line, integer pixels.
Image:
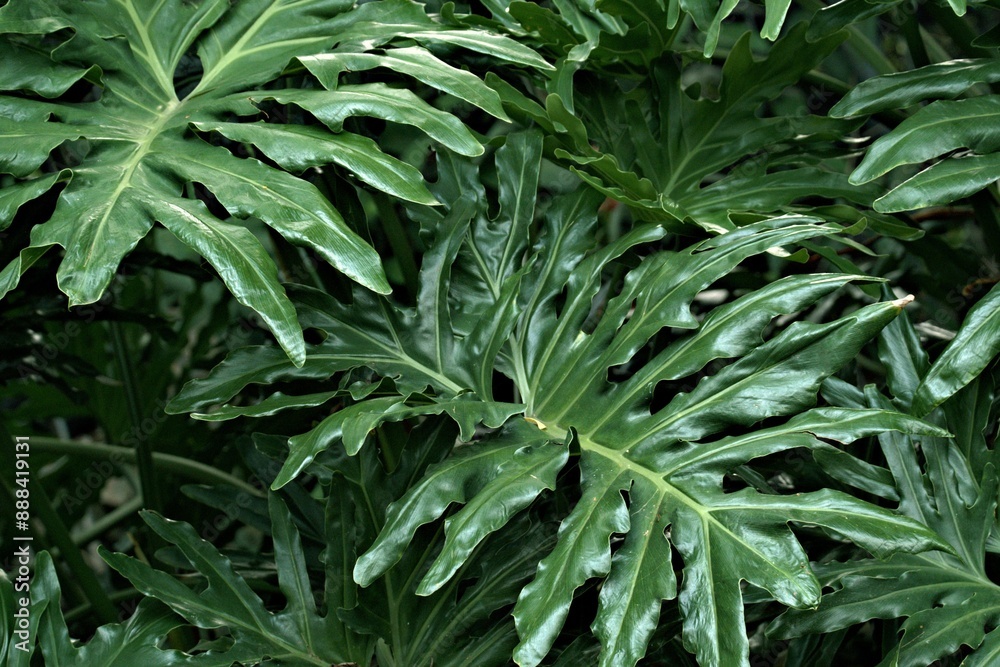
[
  {"x": 905, "y": 301},
  {"x": 363, "y": 574}
]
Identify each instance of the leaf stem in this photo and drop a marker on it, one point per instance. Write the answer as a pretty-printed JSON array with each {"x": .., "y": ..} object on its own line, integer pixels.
[
  {"x": 402, "y": 249},
  {"x": 915, "y": 42},
  {"x": 176, "y": 464},
  {"x": 56, "y": 531},
  {"x": 144, "y": 456},
  {"x": 107, "y": 521}
]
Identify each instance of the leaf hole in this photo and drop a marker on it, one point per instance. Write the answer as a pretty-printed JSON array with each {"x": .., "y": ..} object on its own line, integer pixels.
[
  {"x": 666, "y": 391},
  {"x": 314, "y": 336}
]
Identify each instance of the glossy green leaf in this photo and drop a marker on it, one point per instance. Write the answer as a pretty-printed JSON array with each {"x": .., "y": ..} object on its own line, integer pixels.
[
  {"x": 12, "y": 273},
  {"x": 948, "y": 599},
  {"x": 419, "y": 63},
  {"x": 381, "y": 101},
  {"x": 256, "y": 365},
  {"x": 933, "y": 131},
  {"x": 941, "y": 183},
  {"x": 140, "y": 155},
  {"x": 38, "y": 72},
  {"x": 34, "y": 141},
  {"x": 771, "y": 192},
  {"x": 652, "y": 477},
  {"x": 376, "y": 24},
  {"x": 14, "y": 196},
  {"x": 656, "y": 148},
  {"x": 412, "y": 345},
  {"x": 241, "y": 262},
  {"x": 273, "y": 404},
  {"x": 894, "y": 91},
  {"x": 965, "y": 357},
  {"x": 502, "y": 479},
  {"x": 299, "y": 148},
  {"x": 291, "y": 206},
  {"x": 136, "y": 641},
  {"x": 464, "y": 621},
  {"x": 297, "y": 635}
]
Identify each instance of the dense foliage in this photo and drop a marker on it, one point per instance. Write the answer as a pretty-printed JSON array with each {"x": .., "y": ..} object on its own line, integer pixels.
[{"x": 559, "y": 333}]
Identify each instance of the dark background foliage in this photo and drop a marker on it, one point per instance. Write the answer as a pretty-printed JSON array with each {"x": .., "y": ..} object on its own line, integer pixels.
[{"x": 559, "y": 194}]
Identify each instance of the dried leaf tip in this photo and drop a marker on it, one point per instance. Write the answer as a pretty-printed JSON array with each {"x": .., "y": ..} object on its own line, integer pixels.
[
  {"x": 541, "y": 426},
  {"x": 902, "y": 303}
]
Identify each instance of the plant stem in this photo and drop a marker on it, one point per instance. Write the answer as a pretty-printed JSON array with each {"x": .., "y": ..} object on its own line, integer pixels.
[
  {"x": 144, "y": 456},
  {"x": 915, "y": 42},
  {"x": 56, "y": 531},
  {"x": 176, "y": 464},
  {"x": 402, "y": 250},
  {"x": 872, "y": 54},
  {"x": 107, "y": 521}
]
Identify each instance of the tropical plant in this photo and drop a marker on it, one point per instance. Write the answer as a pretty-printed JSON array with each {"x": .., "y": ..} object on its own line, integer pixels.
[
  {"x": 689, "y": 355},
  {"x": 163, "y": 71}
]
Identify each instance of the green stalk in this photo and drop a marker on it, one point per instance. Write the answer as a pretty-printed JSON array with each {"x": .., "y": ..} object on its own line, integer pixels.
[
  {"x": 402, "y": 250},
  {"x": 107, "y": 521},
  {"x": 915, "y": 42},
  {"x": 870, "y": 52},
  {"x": 56, "y": 531},
  {"x": 959, "y": 30},
  {"x": 175, "y": 464},
  {"x": 144, "y": 455},
  {"x": 859, "y": 43},
  {"x": 116, "y": 597}
]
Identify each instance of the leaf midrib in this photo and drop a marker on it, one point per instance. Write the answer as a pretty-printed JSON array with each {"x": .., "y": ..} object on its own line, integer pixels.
[
  {"x": 891, "y": 143},
  {"x": 704, "y": 512},
  {"x": 148, "y": 53},
  {"x": 140, "y": 153},
  {"x": 237, "y": 51}
]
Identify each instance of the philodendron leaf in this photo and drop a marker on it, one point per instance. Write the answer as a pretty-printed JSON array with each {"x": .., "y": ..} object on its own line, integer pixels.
[
  {"x": 708, "y": 15},
  {"x": 950, "y": 486},
  {"x": 932, "y": 133},
  {"x": 894, "y": 91},
  {"x": 137, "y": 641},
  {"x": 672, "y": 155},
  {"x": 419, "y": 63},
  {"x": 298, "y": 635},
  {"x": 938, "y": 128},
  {"x": 353, "y": 424},
  {"x": 297, "y": 148},
  {"x": 499, "y": 480},
  {"x": 141, "y": 154},
  {"x": 973, "y": 348},
  {"x": 550, "y": 320},
  {"x": 463, "y": 622}
]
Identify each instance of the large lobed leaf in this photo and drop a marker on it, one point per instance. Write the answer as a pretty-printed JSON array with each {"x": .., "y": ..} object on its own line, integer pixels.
[
  {"x": 674, "y": 154},
  {"x": 345, "y": 624},
  {"x": 672, "y": 483},
  {"x": 297, "y": 635},
  {"x": 949, "y": 485},
  {"x": 136, "y": 641},
  {"x": 652, "y": 477},
  {"x": 140, "y": 153}
]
